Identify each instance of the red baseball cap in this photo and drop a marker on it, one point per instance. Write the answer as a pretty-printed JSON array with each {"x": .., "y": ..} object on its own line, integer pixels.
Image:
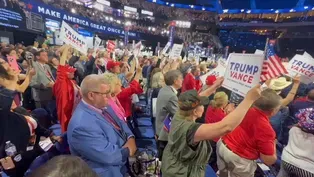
[
  {"x": 210, "y": 80},
  {"x": 112, "y": 64},
  {"x": 70, "y": 69}
]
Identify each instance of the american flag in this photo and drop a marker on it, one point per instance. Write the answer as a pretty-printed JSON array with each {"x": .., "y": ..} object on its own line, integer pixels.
[{"x": 272, "y": 66}]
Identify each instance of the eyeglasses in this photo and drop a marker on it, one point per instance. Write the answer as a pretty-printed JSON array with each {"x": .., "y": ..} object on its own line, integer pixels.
[{"x": 107, "y": 94}]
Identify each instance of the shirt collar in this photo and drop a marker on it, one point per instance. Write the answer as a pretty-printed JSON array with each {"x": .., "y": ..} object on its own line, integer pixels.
[
  {"x": 43, "y": 65},
  {"x": 259, "y": 112},
  {"x": 93, "y": 107},
  {"x": 174, "y": 90}
]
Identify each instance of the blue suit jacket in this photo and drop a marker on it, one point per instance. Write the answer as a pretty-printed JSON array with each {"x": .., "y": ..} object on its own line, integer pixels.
[{"x": 97, "y": 142}]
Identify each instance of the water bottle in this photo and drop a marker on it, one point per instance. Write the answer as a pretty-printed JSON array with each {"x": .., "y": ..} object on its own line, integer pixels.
[{"x": 10, "y": 149}]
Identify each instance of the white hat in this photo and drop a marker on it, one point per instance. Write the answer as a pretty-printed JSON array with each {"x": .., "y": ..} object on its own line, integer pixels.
[{"x": 279, "y": 84}]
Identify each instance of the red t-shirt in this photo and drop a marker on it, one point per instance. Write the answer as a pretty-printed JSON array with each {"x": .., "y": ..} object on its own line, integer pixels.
[
  {"x": 214, "y": 115},
  {"x": 190, "y": 83},
  {"x": 253, "y": 136}
]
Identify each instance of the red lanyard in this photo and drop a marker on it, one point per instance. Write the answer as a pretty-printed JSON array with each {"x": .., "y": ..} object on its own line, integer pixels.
[
  {"x": 47, "y": 73},
  {"x": 107, "y": 117}
]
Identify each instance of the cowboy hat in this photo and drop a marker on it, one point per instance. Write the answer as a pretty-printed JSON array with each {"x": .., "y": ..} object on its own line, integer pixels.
[{"x": 279, "y": 84}]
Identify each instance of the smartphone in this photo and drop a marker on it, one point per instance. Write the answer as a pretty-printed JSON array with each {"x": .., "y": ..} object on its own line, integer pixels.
[
  {"x": 13, "y": 63},
  {"x": 7, "y": 163}
]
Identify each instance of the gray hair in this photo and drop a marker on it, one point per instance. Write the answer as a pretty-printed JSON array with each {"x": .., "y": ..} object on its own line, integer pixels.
[
  {"x": 92, "y": 83},
  {"x": 268, "y": 101},
  {"x": 172, "y": 76}
]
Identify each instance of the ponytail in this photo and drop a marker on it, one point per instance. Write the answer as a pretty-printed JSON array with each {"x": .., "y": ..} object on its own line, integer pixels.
[{"x": 220, "y": 99}]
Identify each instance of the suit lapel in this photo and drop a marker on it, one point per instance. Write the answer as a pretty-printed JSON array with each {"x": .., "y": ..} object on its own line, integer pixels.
[
  {"x": 101, "y": 117},
  {"x": 49, "y": 71},
  {"x": 115, "y": 118},
  {"x": 42, "y": 68}
]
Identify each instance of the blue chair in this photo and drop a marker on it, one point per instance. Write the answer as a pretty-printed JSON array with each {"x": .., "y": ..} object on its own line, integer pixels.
[
  {"x": 210, "y": 172},
  {"x": 144, "y": 132},
  {"x": 144, "y": 122},
  {"x": 56, "y": 128}
]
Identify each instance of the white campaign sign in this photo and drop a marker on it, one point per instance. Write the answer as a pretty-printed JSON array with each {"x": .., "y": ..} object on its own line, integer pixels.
[
  {"x": 73, "y": 38},
  {"x": 96, "y": 45},
  {"x": 259, "y": 52},
  {"x": 89, "y": 42},
  {"x": 243, "y": 72},
  {"x": 137, "y": 49},
  {"x": 307, "y": 55},
  {"x": 97, "y": 42},
  {"x": 302, "y": 65},
  {"x": 176, "y": 51},
  {"x": 219, "y": 71},
  {"x": 164, "y": 50}
]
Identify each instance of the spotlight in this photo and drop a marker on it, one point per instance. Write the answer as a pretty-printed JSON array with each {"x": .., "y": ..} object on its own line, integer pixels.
[
  {"x": 128, "y": 23},
  {"x": 73, "y": 10},
  {"x": 172, "y": 5},
  {"x": 167, "y": 3},
  {"x": 203, "y": 8},
  {"x": 277, "y": 11}
]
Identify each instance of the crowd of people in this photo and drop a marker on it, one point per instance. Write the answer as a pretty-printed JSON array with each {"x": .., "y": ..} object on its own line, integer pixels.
[
  {"x": 140, "y": 23},
  {"x": 196, "y": 124}
]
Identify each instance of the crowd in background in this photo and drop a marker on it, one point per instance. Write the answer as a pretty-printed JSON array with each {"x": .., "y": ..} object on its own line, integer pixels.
[{"x": 92, "y": 98}]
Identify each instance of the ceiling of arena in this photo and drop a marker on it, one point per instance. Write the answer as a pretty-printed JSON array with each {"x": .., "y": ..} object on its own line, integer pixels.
[{"x": 246, "y": 4}]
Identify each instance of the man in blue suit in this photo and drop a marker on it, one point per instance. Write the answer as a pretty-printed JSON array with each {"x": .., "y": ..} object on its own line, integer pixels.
[{"x": 96, "y": 134}]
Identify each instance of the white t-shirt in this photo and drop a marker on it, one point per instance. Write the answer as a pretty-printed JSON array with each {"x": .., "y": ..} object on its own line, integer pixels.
[{"x": 300, "y": 150}]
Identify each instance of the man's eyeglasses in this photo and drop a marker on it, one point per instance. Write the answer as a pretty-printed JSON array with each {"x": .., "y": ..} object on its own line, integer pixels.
[{"x": 107, "y": 94}]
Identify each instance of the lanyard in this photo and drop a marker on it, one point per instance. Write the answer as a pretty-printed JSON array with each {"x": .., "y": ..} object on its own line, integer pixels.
[
  {"x": 107, "y": 117},
  {"x": 47, "y": 73}
]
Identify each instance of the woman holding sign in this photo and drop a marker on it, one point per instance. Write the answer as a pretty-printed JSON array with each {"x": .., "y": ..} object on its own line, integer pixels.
[{"x": 188, "y": 148}]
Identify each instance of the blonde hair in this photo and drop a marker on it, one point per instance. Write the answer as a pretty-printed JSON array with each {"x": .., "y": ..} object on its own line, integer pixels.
[
  {"x": 220, "y": 99},
  {"x": 113, "y": 80},
  {"x": 158, "y": 80},
  {"x": 203, "y": 67}
]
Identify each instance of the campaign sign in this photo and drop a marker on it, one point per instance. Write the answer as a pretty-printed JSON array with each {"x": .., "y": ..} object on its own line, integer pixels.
[
  {"x": 302, "y": 65},
  {"x": 176, "y": 50},
  {"x": 97, "y": 42},
  {"x": 219, "y": 71},
  {"x": 165, "y": 49},
  {"x": 259, "y": 52},
  {"x": 73, "y": 38},
  {"x": 243, "y": 72},
  {"x": 137, "y": 48},
  {"x": 111, "y": 45}
]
